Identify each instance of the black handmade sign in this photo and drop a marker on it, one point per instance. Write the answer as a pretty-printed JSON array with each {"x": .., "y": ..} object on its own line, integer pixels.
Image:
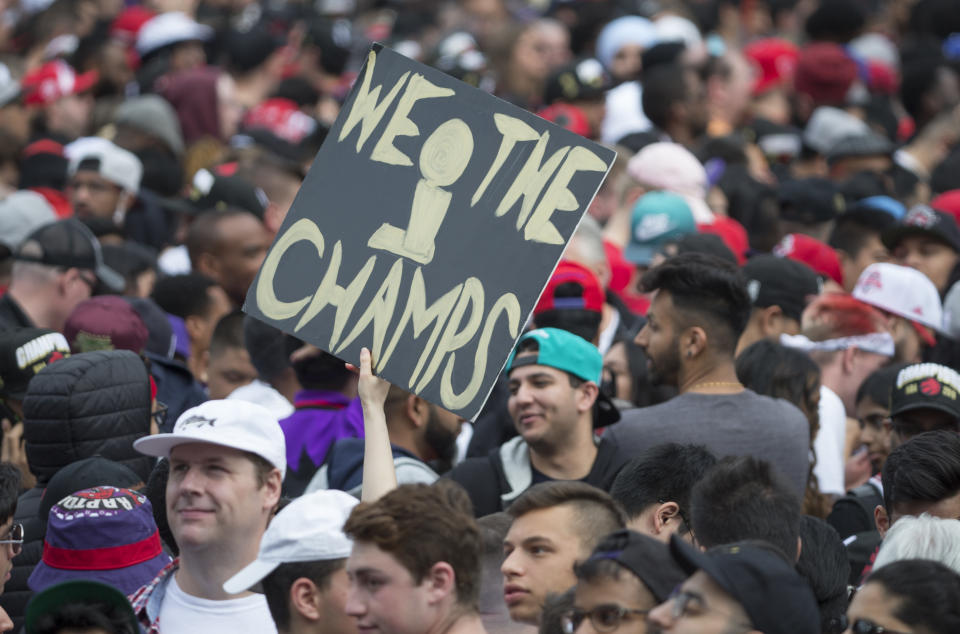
[{"x": 426, "y": 230}]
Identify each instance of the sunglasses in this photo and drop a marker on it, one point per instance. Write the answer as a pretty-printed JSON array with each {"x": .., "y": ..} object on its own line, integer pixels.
[
  {"x": 160, "y": 416},
  {"x": 605, "y": 618},
  {"x": 863, "y": 626},
  {"x": 14, "y": 538}
]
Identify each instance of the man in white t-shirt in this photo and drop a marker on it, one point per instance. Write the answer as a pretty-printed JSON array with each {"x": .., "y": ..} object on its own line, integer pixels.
[{"x": 227, "y": 462}]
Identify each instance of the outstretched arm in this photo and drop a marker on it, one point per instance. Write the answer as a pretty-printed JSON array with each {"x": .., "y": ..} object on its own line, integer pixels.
[{"x": 379, "y": 475}]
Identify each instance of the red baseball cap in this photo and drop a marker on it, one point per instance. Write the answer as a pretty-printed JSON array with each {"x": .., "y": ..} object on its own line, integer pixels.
[
  {"x": 129, "y": 22},
  {"x": 949, "y": 203},
  {"x": 567, "y": 116},
  {"x": 282, "y": 118},
  {"x": 773, "y": 60},
  {"x": 591, "y": 295},
  {"x": 825, "y": 73},
  {"x": 732, "y": 233},
  {"x": 54, "y": 80},
  {"x": 815, "y": 254}
]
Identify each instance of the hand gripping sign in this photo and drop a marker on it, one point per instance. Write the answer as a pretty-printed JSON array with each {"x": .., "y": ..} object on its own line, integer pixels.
[{"x": 427, "y": 228}]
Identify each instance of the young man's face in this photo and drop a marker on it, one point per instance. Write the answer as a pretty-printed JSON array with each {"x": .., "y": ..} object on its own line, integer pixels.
[
  {"x": 931, "y": 257},
  {"x": 707, "y": 609},
  {"x": 243, "y": 244},
  {"x": 626, "y": 592},
  {"x": 659, "y": 340},
  {"x": 383, "y": 595},
  {"x": 871, "y": 252},
  {"x": 540, "y": 549},
  {"x": 93, "y": 196},
  {"x": 333, "y": 601},
  {"x": 214, "y": 498},
  {"x": 872, "y": 603},
  {"x": 227, "y": 370},
  {"x": 908, "y": 424},
  {"x": 870, "y": 415},
  {"x": 544, "y": 407}
]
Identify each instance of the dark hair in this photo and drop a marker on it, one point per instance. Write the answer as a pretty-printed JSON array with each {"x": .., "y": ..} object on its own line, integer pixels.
[
  {"x": 156, "y": 492},
  {"x": 710, "y": 293},
  {"x": 924, "y": 469},
  {"x": 854, "y": 228},
  {"x": 554, "y": 607},
  {"x": 927, "y": 594},
  {"x": 277, "y": 584},
  {"x": 9, "y": 490},
  {"x": 269, "y": 347},
  {"x": 421, "y": 525},
  {"x": 228, "y": 333},
  {"x": 879, "y": 384},
  {"x": 823, "y": 563},
  {"x": 84, "y": 616},
  {"x": 644, "y": 393},
  {"x": 836, "y": 21},
  {"x": 744, "y": 498},
  {"x": 596, "y": 513},
  {"x": 706, "y": 243},
  {"x": 321, "y": 371},
  {"x": 184, "y": 295},
  {"x": 663, "y": 87},
  {"x": 917, "y": 79},
  {"x": 663, "y": 473}
]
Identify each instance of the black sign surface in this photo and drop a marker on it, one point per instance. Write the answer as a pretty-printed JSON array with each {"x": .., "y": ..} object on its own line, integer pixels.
[{"x": 426, "y": 229}]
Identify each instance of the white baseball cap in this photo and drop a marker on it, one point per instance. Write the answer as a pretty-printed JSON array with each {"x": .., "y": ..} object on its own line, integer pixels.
[
  {"x": 902, "y": 291},
  {"x": 235, "y": 424},
  {"x": 170, "y": 28},
  {"x": 308, "y": 529},
  {"x": 114, "y": 163}
]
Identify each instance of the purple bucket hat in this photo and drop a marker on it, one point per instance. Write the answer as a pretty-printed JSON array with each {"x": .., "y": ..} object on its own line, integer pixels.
[{"x": 101, "y": 534}]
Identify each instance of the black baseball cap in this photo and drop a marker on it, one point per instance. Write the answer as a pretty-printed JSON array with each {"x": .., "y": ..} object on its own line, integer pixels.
[
  {"x": 810, "y": 200},
  {"x": 69, "y": 244},
  {"x": 773, "y": 281},
  {"x": 926, "y": 386},
  {"x": 774, "y": 595},
  {"x": 583, "y": 80},
  {"x": 645, "y": 557},
  {"x": 210, "y": 190},
  {"x": 924, "y": 220},
  {"x": 23, "y": 353}
]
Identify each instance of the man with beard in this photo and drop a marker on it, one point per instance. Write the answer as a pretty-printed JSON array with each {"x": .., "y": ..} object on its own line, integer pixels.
[
  {"x": 699, "y": 310},
  {"x": 554, "y": 379},
  {"x": 420, "y": 433},
  {"x": 104, "y": 181}
]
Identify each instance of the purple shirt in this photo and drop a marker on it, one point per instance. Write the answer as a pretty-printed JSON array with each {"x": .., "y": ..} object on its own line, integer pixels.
[{"x": 321, "y": 418}]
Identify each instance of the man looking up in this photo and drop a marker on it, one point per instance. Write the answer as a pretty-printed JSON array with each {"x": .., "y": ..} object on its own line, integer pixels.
[
  {"x": 227, "y": 461},
  {"x": 699, "y": 310},
  {"x": 554, "y": 379},
  {"x": 555, "y": 525}
]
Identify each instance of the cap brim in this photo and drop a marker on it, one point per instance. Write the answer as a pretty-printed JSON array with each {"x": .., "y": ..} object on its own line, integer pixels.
[
  {"x": 909, "y": 407},
  {"x": 51, "y": 599},
  {"x": 249, "y": 578},
  {"x": 638, "y": 254},
  {"x": 893, "y": 236},
  {"x": 110, "y": 278},
  {"x": 85, "y": 81},
  {"x": 160, "y": 445}
]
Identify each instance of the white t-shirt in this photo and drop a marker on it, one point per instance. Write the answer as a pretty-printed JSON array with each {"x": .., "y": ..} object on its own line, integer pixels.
[
  {"x": 829, "y": 443},
  {"x": 181, "y": 612}
]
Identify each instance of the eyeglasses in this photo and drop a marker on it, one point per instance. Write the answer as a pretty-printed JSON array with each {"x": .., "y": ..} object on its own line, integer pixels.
[
  {"x": 14, "y": 538},
  {"x": 160, "y": 416},
  {"x": 863, "y": 626},
  {"x": 605, "y": 618},
  {"x": 682, "y": 601}
]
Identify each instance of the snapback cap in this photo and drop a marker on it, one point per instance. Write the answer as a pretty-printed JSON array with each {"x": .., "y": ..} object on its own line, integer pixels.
[
  {"x": 228, "y": 423},
  {"x": 589, "y": 297},
  {"x": 775, "y": 281},
  {"x": 69, "y": 244},
  {"x": 645, "y": 557},
  {"x": 926, "y": 386},
  {"x": 903, "y": 291},
  {"x": 55, "y": 598},
  {"x": 23, "y": 353}
]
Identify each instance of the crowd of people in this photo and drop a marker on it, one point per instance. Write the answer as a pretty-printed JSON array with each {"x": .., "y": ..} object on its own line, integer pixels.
[{"x": 734, "y": 408}]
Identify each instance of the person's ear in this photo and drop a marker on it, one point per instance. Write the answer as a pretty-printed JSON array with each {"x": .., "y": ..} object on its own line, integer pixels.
[
  {"x": 272, "y": 488},
  {"x": 417, "y": 410},
  {"x": 272, "y": 218},
  {"x": 194, "y": 326},
  {"x": 209, "y": 265},
  {"x": 667, "y": 517},
  {"x": 305, "y": 599},
  {"x": 848, "y": 359},
  {"x": 694, "y": 342},
  {"x": 441, "y": 582},
  {"x": 587, "y": 395},
  {"x": 882, "y": 520},
  {"x": 771, "y": 318}
]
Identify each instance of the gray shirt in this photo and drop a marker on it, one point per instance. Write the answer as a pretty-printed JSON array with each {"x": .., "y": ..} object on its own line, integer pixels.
[{"x": 743, "y": 424}]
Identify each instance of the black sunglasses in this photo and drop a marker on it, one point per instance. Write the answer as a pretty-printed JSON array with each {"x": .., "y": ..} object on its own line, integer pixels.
[
  {"x": 863, "y": 626},
  {"x": 605, "y": 618}
]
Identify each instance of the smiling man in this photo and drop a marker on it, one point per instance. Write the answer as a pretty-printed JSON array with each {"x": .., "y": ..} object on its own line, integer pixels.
[
  {"x": 415, "y": 565},
  {"x": 554, "y": 379},
  {"x": 227, "y": 461}
]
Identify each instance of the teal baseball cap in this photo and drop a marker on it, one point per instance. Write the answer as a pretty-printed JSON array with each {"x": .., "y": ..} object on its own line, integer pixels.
[
  {"x": 658, "y": 217},
  {"x": 566, "y": 351},
  {"x": 562, "y": 350}
]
